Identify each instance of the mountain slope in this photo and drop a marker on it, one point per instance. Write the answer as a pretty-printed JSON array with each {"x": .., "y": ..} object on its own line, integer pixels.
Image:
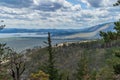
[
  {"x": 87, "y": 33},
  {"x": 93, "y": 32}
]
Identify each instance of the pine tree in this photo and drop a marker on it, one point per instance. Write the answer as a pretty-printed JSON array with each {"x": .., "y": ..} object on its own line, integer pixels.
[
  {"x": 110, "y": 36},
  {"x": 117, "y": 3},
  {"x": 117, "y": 28},
  {"x": 105, "y": 36},
  {"x": 117, "y": 66},
  {"x": 113, "y": 36},
  {"x": 117, "y": 53},
  {"x": 51, "y": 68},
  {"x": 117, "y": 24}
]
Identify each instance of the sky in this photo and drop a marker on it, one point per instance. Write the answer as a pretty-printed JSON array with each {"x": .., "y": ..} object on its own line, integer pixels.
[{"x": 57, "y": 14}]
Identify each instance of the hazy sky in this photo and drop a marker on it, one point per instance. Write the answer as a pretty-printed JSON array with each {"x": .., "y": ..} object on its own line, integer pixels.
[{"x": 57, "y": 13}]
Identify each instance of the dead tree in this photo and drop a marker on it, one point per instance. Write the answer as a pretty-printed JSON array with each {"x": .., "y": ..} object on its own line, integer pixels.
[{"x": 17, "y": 65}]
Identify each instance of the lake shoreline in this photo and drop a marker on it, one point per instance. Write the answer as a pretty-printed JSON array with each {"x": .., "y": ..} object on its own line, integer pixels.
[{"x": 22, "y": 43}]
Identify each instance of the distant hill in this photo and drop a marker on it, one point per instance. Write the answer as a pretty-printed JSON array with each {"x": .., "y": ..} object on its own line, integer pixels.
[
  {"x": 87, "y": 33},
  {"x": 90, "y": 33}
]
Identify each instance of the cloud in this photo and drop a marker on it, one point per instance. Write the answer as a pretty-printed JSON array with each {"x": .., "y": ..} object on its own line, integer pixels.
[
  {"x": 54, "y": 5},
  {"x": 48, "y": 6},
  {"x": 55, "y": 14},
  {"x": 16, "y": 3},
  {"x": 95, "y": 3},
  {"x": 99, "y": 3},
  {"x": 42, "y": 5},
  {"x": 28, "y": 18}
]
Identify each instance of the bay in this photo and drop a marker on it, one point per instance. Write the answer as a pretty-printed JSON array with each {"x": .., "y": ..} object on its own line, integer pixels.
[{"x": 21, "y": 43}]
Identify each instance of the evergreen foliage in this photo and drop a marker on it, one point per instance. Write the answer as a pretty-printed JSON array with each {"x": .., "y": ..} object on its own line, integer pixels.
[
  {"x": 110, "y": 36},
  {"x": 117, "y": 66},
  {"x": 51, "y": 68},
  {"x": 117, "y": 3},
  {"x": 82, "y": 70}
]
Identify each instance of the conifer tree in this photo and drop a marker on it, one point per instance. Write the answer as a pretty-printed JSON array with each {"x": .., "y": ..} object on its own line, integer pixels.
[
  {"x": 117, "y": 3},
  {"x": 117, "y": 66},
  {"x": 117, "y": 24},
  {"x": 117, "y": 28},
  {"x": 110, "y": 36},
  {"x": 115, "y": 35},
  {"x": 51, "y": 68}
]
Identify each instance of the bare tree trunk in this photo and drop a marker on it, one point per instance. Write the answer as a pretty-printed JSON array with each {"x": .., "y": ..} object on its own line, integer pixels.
[{"x": 17, "y": 66}]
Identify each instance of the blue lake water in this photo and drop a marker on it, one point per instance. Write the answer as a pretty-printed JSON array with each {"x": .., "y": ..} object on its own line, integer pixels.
[{"x": 20, "y": 44}]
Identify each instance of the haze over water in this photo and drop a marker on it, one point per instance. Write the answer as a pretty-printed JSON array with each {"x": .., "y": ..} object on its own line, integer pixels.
[{"x": 20, "y": 44}]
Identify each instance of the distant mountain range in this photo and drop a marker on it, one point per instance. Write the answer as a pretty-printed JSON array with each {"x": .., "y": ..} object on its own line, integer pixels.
[
  {"x": 87, "y": 33},
  {"x": 92, "y": 32}
]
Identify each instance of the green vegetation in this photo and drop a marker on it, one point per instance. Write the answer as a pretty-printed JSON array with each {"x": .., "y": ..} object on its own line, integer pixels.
[
  {"x": 12, "y": 65},
  {"x": 50, "y": 65},
  {"x": 91, "y": 60},
  {"x": 17, "y": 65},
  {"x": 83, "y": 70},
  {"x": 39, "y": 76},
  {"x": 117, "y": 3},
  {"x": 110, "y": 36}
]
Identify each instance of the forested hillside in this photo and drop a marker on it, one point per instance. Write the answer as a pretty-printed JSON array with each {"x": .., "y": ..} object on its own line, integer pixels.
[{"x": 97, "y": 59}]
